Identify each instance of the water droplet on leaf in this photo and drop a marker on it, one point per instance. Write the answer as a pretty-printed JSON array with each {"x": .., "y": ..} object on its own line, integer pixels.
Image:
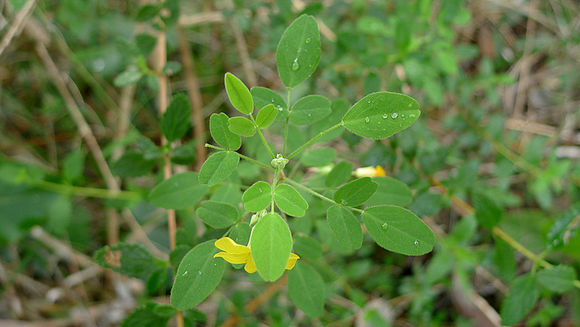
[
  {"x": 385, "y": 116},
  {"x": 416, "y": 242},
  {"x": 308, "y": 40},
  {"x": 295, "y": 65},
  {"x": 184, "y": 273},
  {"x": 199, "y": 272},
  {"x": 367, "y": 119},
  {"x": 385, "y": 226},
  {"x": 394, "y": 115}
]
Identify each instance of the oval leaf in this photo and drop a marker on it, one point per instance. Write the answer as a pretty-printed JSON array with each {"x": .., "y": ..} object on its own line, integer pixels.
[
  {"x": 520, "y": 300},
  {"x": 263, "y": 97},
  {"x": 217, "y": 214},
  {"x": 309, "y": 109},
  {"x": 198, "y": 275},
  {"x": 399, "y": 230},
  {"x": 390, "y": 191},
  {"x": 298, "y": 52},
  {"x": 339, "y": 174},
  {"x": 266, "y": 116},
  {"x": 271, "y": 245},
  {"x": 238, "y": 93},
  {"x": 218, "y": 127},
  {"x": 306, "y": 289},
  {"x": 178, "y": 192},
  {"x": 345, "y": 226},
  {"x": 175, "y": 121},
  {"x": 257, "y": 197},
  {"x": 241, "y": 126},
  {"x": 559, "y": 279},
  {"x": 290, "y": 201},
  {"x": 318, "y": 157},
  {"x": 382, "y": 114},
  {"x": 356, "y": 192},
  {"x": 218, "y": 167}
]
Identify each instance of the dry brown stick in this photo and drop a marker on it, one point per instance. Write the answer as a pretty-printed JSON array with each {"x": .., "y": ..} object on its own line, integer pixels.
[
  {"x": 521, "y": 94},
  {"x": 17, "y": 25},
  {"x": 194, "y": 93},
  {"x": 208, "y": 17},
  {"x": 255, "y": 303},
  {"x": 160, "y": 60},
  {"x": 244, "y": 55}
]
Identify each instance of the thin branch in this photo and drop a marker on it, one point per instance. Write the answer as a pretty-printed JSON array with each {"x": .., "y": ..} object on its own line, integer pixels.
[
  {"x": 17, "y": 25},
  {"x": 194, "y": 93}
]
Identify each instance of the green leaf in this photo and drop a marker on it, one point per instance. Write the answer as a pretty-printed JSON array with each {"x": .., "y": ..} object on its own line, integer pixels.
[
  {"x": 382, "y": 114},
  {"x": 487, "y": 212},
  {"x": 390, "y": 191},
  {"x": 290, "y": 201},
  {"x": 149, "y": 149},
  {"x": 217, "y": 214},
  {"x": 520, "y": 300},
  {"x": 339, "y": 174},
  {"x": 356, "y": 192},
  {"x": 241, "y": 233},
  {"x": 399, "y": 230},
  {"x": 345, "y": 226},
  {"x": 228, "y": 193},
  {"x": 147, "y": 12},
  {"x": 239, "y": 95},
  {"x": 132, "y": 164},
  {"x": 146, "y": 316},
  {"x": 309, "y": 109},
  {"x": 271, "y": 245},
  {"x": 129, "y": 259},
  {"x": 73, "y": 165},
  {"x": 298, "y": 52},
  {"x": 564, "y": 228},
  {"x": 218, "y": 167},
  {"x": 307, "y": 247},
  {"x": 178, "y": 192},
  {"x": 559, "y": 279},
  {"x": 130, "y": 76},
  {"x": 338, "y": 109},
  {"x": 241, "y": 126},
  {"x": 318, "y": 157},
  {"x": 257, "y": 197},
  {"x": 175, "y": 121},
  {"x": 263, "y": 97},
  {"x": 266, "y": 116},
  {"x": 197, "y": 276},
  {"x": 184, "y": 154},
  {"x": 306, "y": 289},
  {"x": 218, "y": 127}
]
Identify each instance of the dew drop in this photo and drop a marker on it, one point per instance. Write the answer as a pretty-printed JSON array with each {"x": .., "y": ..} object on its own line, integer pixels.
[
  {"x": 368, "y": 101},
  {"x": 308, "y": 40},
  {"x": 412, "y": 115},
  {"x": 272, "y": 100},
  {"x": 367, "y": 119},
  {"x": 385, "y": 116},
  {"x": 416, "y": 242},
  {"x": 309, "y": 115},
  {"x": 394, "y": 115},
  {"x": 295, "y": 65},
  {"x": 410, "y": 104},
  {"x": 280, "y": 108},
  {"x": 184, "y": 273},
  {"x": 199, "y": 272},
  {"x": 385, "y": 226},
  {"x": 403, "y": 116}
]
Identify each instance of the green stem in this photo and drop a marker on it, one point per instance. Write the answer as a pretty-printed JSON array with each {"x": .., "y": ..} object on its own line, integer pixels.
[
  {"x": 254, "y": 161},
  {"x": 287, "y": 122},
  {"x": 320, "y": 196},
  {"x": 321, "y": 134},
  {"x": 262, "y": 137},
  {"x": 87, "y": 191}
]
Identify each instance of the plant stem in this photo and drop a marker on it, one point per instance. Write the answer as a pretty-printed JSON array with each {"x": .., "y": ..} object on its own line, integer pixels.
[
  {"x": 262, "y": 136},
  {"x": 320, "y": 196},
  {"x": 87, "y": 191},
  {"x": 254, "y": 161},
  {"x": 287, "y": 122},
  {"x": 305, "y": 145}
]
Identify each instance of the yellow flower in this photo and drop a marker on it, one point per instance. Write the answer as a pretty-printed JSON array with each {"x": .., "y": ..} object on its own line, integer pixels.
[
  {"x": 370, "y": 172},
  {"x": 238, "y": 254}
]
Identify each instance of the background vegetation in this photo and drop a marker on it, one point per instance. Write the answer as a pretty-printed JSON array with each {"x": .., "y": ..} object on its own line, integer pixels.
[{"x": 492, "y": 162}]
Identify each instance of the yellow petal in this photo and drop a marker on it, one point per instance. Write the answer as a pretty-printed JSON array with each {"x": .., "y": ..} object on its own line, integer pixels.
[
  {"x": 228, "y": 245},
  {"x": 379, "y": 171},
  {"x": 232, "y": 257},
  {"x": 250, "y": 267},
  {"x": 292, "y": 261}
]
